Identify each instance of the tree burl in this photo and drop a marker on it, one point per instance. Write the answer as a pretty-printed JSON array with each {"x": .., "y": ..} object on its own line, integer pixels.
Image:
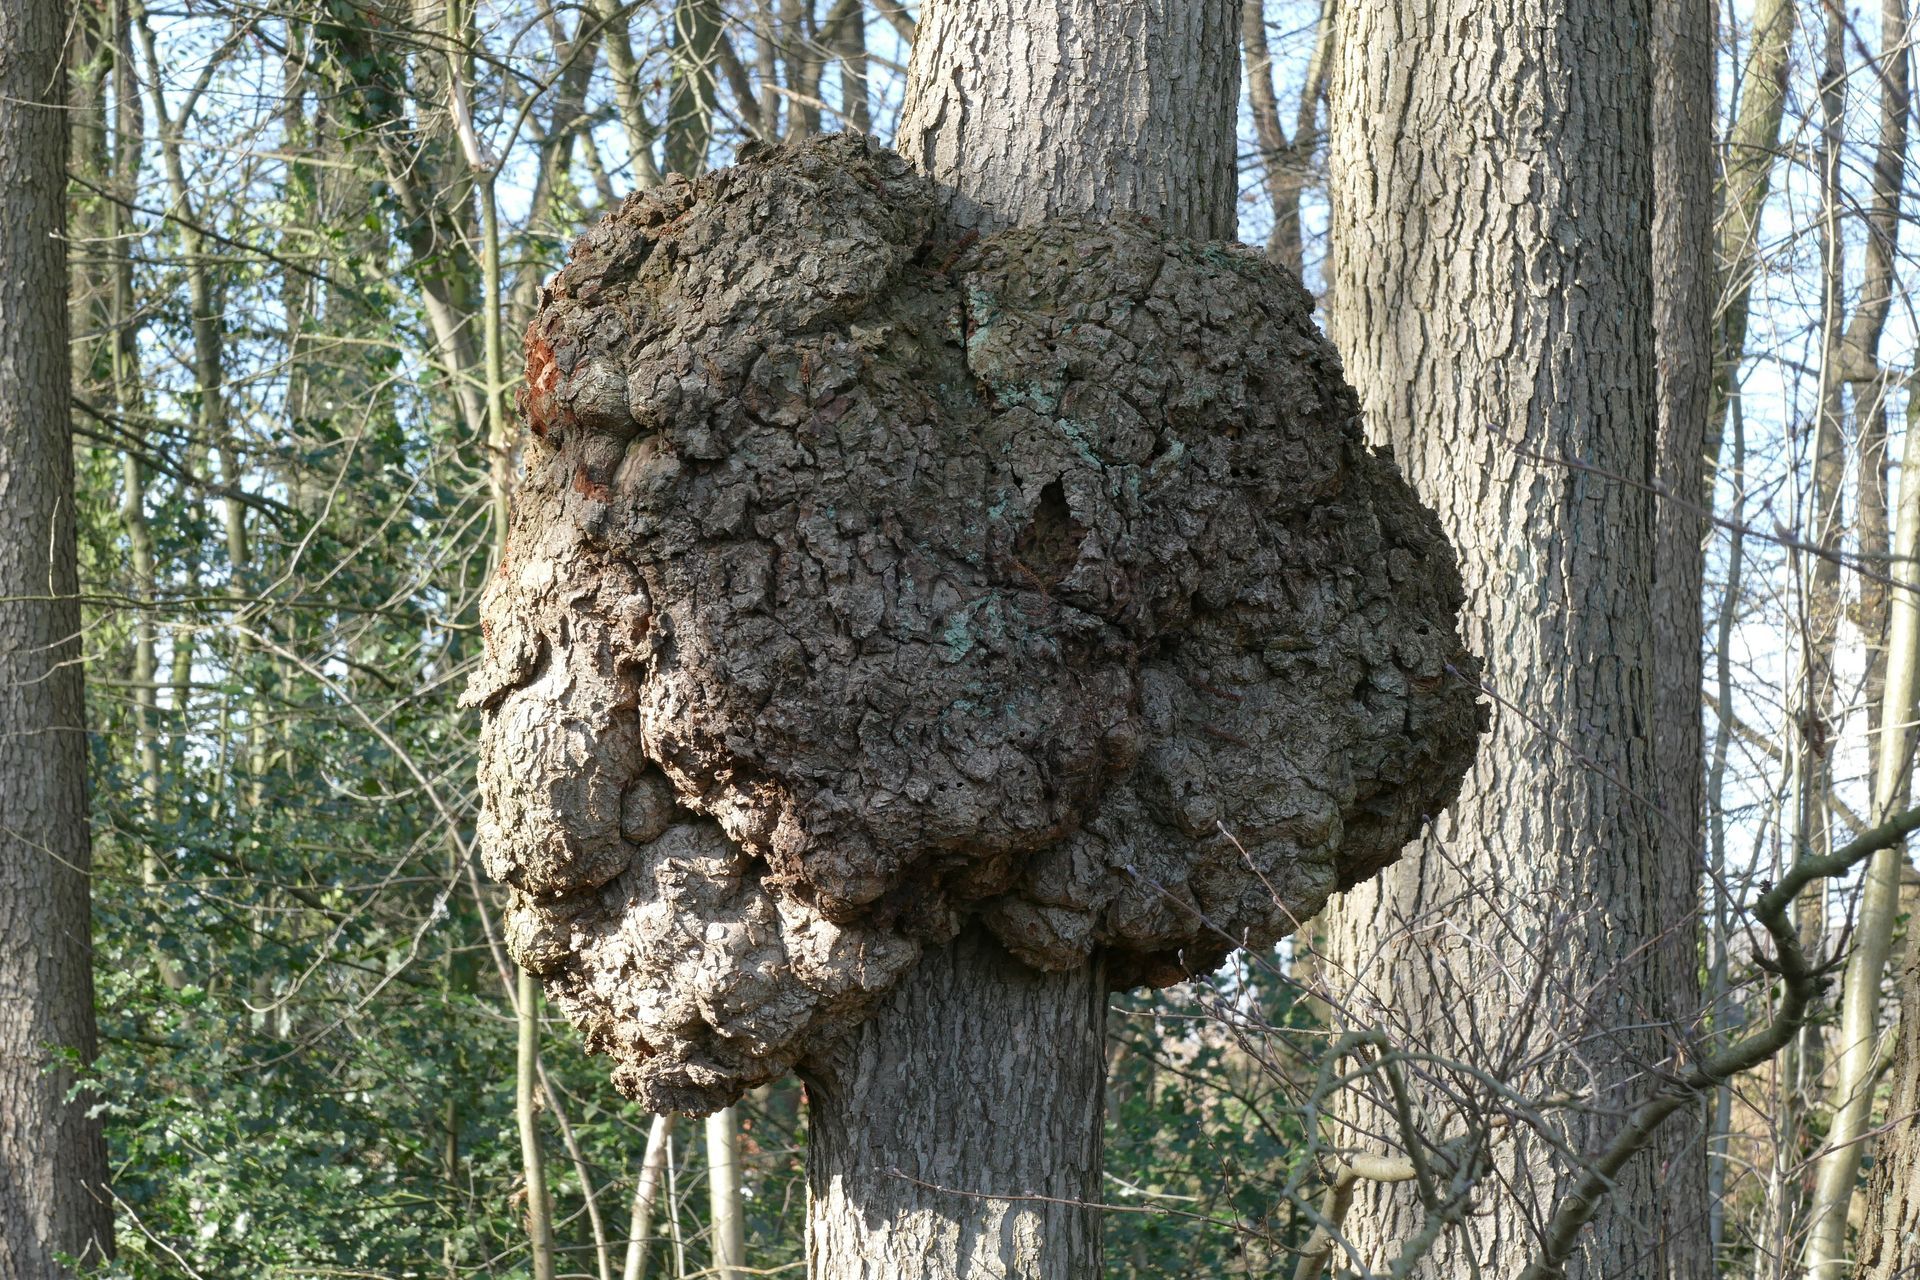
[{"x": 864, "y": 579}]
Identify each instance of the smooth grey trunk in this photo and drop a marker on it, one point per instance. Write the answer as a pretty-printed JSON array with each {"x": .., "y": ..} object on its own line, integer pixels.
[
  {"x": 856, "y": 110},
  {"x": 628, "y": 94},
  {"x": 1855, "y": 1069},
  {"x": 1811, "y": 700},
  {"x": 804, "y": 61},
  {"x": 1752, "y": 146},
  {"x": 1285, "y": 163},
  {"x": 1491, "y": 177},
  {"x": 726, "y": 1213},
  {"x": 646, "y": 1195},
  {"x": 981, "y": 1081},
  {"x": 527, "y": 1119},
  {"x": 1683, "y": 306},
  {"x": 431, "y": 185},
  {"x": 53, "y": 1160},
  {"x": 956, "y": 1135}
]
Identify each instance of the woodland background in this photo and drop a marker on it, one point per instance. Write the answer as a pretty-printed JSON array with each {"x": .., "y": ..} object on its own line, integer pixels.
[{"x": 305, "y": 237}]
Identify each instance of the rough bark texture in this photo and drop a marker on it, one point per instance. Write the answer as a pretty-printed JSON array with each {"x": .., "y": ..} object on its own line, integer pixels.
[
  {"x": 1683, "y": 306},
  {"x": 52, "y": 1158},
  {"x": 861, "y": 582},
  {"x": 1023, "y": 111},
  {"x": 887, "y": 1130},
  {"x": 1082, "y": 109},
  {"x": 1889, "y": 1244},
  {"x": 1491, "y": 188}
]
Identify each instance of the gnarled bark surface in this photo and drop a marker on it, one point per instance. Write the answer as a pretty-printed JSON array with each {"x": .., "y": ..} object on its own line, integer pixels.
[{"x": 865, "y": 580}]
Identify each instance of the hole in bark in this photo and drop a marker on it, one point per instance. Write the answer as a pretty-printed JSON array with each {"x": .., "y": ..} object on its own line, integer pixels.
[{"x": 1051, "y": 542}]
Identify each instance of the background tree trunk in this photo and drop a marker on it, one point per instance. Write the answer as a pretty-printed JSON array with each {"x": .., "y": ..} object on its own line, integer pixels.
[
  {"x": 1890, "y": 1240},
  {"x": 1753, "y": 144},
  {"x": 1683, "y": 304},
  {"x": 646, "y": 1195},
  {"x": 979, "y": 1075},
  {"x": 727, "y": 1214},
  {"x": 53, "y": 1166},
  {"x": 1491, "y": 185},
  {"x": 696, "y": 40},
  {"x": 1889, "y": 681}
]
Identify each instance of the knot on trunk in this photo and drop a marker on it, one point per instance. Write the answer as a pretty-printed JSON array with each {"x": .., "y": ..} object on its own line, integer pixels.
[{"x": 863, "y": 580}]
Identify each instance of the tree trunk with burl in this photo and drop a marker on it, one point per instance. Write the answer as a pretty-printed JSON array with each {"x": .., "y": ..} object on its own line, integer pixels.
[{"x": 946, "y": 588}]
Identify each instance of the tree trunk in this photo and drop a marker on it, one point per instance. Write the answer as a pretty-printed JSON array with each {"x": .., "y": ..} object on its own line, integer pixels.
[
  {"x": 1491, "y": 186},
  {"x": 726, "y": 1214},
  {"x": 1753, "y": 144},
  {"x": 1683, "y": 306},
  {"x": 1812, "y": 696},
  {"x": 1890, "y": 670},
  {"x": 53, "y": 1160},
  {"x": 1134, "y": 116},
  {"x": 646, "y": 1194},
  {"x": 1285, "y": 164},
  {"x": 856, "y": 96},
  {"x": 804, "y": 63},
  {"x": 696, "y": 40},
  {"x": 979, "y": 1075},
  {"x": 1856, "y": 1073},
  {"x": 934, "y": 1130},
  {"x": 1890, "y": 1240}
]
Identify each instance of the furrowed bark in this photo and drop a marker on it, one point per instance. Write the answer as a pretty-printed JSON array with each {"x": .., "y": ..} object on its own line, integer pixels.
[
  {"x": 53, "y": 1159},
  {"x": 1801, "y": 981},
  {"x": 1683, "y": 301},
  {"x": 1492, "y": 302},
  {"x": 957, "y": 1134},
  {"x": 1135, "y": 118}
]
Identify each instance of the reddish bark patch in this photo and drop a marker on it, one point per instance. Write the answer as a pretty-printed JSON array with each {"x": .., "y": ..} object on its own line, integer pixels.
[
  {"x": 536, "y": 399},
  {"x": 585, "y": 485}
]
